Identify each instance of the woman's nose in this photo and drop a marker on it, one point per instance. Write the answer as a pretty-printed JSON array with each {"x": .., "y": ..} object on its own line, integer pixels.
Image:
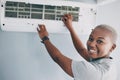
[{"x": 92, "y": 44}]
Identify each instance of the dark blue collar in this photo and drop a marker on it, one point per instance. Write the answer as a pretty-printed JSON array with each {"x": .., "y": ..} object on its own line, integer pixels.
[{"x": 100, "y": 58}]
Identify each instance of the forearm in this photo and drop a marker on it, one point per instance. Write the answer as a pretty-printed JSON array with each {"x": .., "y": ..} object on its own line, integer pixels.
[
  {"x": 52, "y": 50},
  {"x": 63, "y": 61},
  {"x": 78, "y": 44},
  {"x": 76, "y": 41},
  {"x": 67, "y": 19}
]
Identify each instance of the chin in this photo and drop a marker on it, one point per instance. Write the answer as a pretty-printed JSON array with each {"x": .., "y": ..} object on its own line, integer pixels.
[{"x": 93, "y": 56}]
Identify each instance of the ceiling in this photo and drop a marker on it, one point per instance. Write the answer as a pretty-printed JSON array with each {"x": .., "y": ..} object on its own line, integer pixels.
[
  {"x": 101, "y": 2},
  {"x": 84, "y": 1}
]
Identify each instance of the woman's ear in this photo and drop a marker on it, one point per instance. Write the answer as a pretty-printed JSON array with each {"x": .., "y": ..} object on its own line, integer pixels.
[{"x": 113, "y": 47}]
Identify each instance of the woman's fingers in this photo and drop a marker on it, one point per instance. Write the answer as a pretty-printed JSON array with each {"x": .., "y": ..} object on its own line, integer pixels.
[
  {"x": 67, "y": 17},
  {"x": 64, "y": 19},
  {"x": 38, "y": 29},
  {"x": 41, "y": 27}
]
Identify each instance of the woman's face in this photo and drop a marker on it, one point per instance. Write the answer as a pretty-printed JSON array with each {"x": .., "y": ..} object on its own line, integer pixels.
[{"x": 99, "y": 43}]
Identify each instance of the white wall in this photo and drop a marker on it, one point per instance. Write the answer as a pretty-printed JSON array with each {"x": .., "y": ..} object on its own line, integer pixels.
[
  {"x": 24, "y": 57},
  {"x": 110, "y": 14}
]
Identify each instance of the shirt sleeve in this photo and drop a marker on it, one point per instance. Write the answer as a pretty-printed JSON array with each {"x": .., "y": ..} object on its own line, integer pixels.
[{"x": 83, "y": 70}]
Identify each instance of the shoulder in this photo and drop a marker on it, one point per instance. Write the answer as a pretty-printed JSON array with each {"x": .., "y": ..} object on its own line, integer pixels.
[
  {"x": 105, "y": 65},
  {"x": 98, "y": 67},
  {"x": 84, "y": 70}
]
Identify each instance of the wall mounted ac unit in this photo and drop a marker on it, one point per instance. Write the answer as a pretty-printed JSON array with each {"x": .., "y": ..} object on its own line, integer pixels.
[{"x": 25, "y": 15}]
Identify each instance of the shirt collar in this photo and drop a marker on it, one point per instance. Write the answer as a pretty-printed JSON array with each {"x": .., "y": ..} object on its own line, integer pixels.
[{"x": 91, "y": 60}]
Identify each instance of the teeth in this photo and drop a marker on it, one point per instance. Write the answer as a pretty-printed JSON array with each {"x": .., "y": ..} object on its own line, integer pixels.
[{"x": 93, "y": 51}]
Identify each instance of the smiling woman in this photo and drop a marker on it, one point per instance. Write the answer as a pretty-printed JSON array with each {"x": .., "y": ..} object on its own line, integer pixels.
[
  {"x": 97, "y": 55},
  {"x": 102, "y": 41}
]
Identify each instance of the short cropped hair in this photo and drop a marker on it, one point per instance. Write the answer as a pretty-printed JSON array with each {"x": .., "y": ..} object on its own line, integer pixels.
[{"x": 110, "y": 29}]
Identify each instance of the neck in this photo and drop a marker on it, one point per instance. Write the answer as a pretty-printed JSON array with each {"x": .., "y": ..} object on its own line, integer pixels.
[{"x": 94, "y": 59}]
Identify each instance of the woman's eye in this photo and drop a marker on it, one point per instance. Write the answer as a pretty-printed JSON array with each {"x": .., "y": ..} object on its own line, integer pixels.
[
  {"x": 91, "y": 39},
  {"x": 99, "y": 41}
]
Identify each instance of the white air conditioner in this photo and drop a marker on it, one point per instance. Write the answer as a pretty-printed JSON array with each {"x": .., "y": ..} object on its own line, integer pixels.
[{"x": 25, "y": 15}]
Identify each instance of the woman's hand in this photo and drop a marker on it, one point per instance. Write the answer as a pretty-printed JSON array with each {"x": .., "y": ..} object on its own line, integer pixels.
[
  {"x": 42, "y": 31},
  {"x": 67, "y": 19}
]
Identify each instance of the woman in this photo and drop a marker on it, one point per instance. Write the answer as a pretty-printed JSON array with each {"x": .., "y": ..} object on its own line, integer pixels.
[{"x": 98, "y": 65}]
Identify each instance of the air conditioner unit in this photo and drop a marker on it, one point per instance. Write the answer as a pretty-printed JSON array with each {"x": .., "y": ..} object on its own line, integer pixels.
[{"x": 25, "y": 15}]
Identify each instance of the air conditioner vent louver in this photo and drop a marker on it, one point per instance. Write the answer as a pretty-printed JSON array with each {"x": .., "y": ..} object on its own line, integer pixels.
[{"x": 39, "y": 11}]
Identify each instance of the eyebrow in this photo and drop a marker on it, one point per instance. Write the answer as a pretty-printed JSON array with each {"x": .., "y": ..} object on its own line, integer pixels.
[
  {"x": 98, "y": 37},
  {"x": 101, "y": 38}
]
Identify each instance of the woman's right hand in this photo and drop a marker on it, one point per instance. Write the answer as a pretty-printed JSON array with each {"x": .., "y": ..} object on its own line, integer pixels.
[
  {"x": 42, "y": 31},
  {"x": 67, "y": 20}
]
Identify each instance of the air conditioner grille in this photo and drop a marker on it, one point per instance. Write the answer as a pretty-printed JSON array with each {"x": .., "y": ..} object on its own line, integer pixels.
[{"x": 39, "y": 11}]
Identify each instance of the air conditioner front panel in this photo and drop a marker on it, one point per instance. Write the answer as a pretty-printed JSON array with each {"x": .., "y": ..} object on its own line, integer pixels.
[{"x": 26, "y": 15}]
